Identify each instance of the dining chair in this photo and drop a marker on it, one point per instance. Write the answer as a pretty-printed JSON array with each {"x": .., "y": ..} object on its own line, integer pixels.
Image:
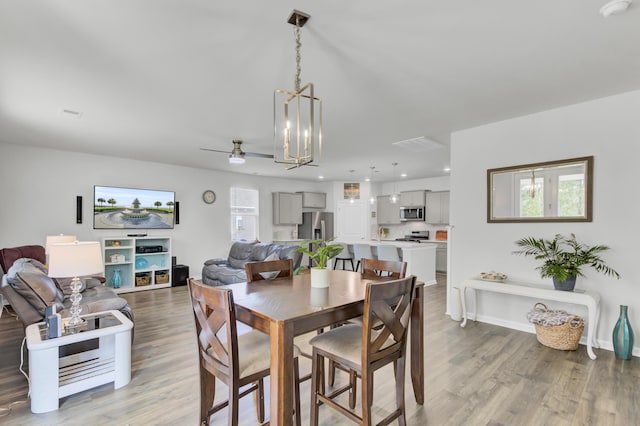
[
  {"x": 265, "y": 270},
  {"x": 361, "y": 251},
  {"x": 364, "y": 349},
  {"x": 344, "y": 255},
  {"x": 236, "y": 360},
  {"x": 374, "y": 269}
]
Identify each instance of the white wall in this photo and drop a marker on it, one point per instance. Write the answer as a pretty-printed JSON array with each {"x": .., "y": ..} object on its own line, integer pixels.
[
  {"x": 38, "y": 189},
  {"x": 608, "y": 129}
]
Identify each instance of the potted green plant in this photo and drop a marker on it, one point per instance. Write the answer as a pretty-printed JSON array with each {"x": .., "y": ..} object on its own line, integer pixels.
[
  {"x": 321, "y": 252},
  {"x": 563, "y": 258}
]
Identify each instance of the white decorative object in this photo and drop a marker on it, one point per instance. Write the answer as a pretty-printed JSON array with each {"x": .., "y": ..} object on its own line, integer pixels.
[
  {"x": 319, "y": 297},
  {"x": 320, "y": 277},
  {"x": 116, "y": 258}
]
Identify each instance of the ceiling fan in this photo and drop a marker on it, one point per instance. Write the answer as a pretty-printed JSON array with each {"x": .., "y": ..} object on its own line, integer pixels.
[{"x": 236, "y": 156}]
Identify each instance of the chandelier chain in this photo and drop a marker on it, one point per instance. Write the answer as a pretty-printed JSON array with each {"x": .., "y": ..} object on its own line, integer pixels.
[{"x": 298, "y": 46}]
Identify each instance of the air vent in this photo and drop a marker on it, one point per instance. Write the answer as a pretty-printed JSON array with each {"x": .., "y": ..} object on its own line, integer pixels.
[
  {"x": 419, "y": 144},
  {"x": 70, "y": 113}
]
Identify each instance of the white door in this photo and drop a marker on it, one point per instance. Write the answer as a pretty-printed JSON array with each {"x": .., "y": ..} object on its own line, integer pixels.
[{"x": 352, "y": 220}]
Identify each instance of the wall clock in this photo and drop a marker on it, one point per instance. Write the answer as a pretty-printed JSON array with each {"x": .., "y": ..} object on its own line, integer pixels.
[{"x": 209, "y": 196}]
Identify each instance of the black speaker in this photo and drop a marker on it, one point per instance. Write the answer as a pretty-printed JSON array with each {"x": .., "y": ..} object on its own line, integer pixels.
[
  {"x": 173, "y": 261},
  {"x": 177, "y": 212},
  {"x": 79, "y": 209},
  {"x": 179, "y": 275}
]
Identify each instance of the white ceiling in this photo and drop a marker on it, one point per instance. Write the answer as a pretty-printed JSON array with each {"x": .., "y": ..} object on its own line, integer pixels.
[{"x": 158, "y": 79}]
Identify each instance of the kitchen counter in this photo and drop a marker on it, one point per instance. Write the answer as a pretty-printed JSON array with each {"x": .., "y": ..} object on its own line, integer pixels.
[{"x": 420, "y": 257}]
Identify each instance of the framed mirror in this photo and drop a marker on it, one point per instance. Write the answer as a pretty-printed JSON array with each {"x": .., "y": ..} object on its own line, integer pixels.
[{"x": 554, "y": 191}]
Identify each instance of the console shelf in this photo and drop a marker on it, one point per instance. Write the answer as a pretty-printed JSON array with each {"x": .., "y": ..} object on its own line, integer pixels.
[{"x": 144, "y": 262}]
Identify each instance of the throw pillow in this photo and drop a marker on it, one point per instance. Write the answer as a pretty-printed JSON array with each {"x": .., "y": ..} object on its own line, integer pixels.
[
  {"x": 271, "y": 274},
  {"x": 28, "y": 280}
]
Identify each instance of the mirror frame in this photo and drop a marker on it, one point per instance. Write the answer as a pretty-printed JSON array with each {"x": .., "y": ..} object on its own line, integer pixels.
[{"x": 588, "y": 217}]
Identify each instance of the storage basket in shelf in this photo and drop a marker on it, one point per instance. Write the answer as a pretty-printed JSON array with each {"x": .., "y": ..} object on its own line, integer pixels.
[
  {"x": 556, "y": 329},
  {"x": 162, "y": 277},
  {"x": 142, "y": 280}
]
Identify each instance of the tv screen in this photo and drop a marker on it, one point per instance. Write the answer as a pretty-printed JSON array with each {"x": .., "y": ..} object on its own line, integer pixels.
[{"x": 129, "y": 208}]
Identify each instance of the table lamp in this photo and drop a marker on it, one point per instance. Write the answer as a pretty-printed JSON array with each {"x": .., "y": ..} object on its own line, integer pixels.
[
  {"x": 74, "y": 260},
  {"x": 57, "y": 239}
]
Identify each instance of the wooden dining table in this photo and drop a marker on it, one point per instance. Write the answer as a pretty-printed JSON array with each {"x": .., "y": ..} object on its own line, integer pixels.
[{"x": 288, "y": 307}]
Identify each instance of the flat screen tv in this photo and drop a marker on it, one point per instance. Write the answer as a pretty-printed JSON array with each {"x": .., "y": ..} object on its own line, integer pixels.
[{"x": 130, "y": 208}]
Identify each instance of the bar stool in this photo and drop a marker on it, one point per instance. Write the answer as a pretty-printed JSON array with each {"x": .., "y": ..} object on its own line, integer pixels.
[
  {"x": 388, "y": 252},
  {"x": 361, "y": 251},
  {"x": 344, "y": 255}
]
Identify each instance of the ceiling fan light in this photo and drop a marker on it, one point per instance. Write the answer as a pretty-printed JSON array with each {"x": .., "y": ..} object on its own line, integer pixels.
[
  {"x": 615, "y": 7},
  {"x": 235, "y": 159}
]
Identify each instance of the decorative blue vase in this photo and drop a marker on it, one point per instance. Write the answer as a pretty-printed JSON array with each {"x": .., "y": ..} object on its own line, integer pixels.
[
  {"x": 623, "y": 336},
  {"x": 116, "y": 279}
]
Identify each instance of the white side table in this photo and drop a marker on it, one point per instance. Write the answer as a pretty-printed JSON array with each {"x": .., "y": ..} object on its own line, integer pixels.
[
  {"x": 53, "y": 377},
  {"x": 587, "y": 298}
]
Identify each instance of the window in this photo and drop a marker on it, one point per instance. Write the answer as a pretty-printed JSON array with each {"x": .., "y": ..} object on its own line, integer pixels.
[{"x": 244, "y": 214}]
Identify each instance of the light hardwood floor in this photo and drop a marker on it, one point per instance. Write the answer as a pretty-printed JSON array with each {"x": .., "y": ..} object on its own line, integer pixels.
[{"x": 479, "y": 375}]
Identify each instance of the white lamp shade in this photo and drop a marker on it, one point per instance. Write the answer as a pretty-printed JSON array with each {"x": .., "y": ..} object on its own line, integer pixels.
[
  {"x": 75, "y": 259},
  {"x": 57, "y": 239}
]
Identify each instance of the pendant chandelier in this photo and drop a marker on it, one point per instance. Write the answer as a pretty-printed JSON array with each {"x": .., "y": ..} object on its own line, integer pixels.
[
  {"x": 394, "y": 197},
  {"x": 297, "y": 115}
]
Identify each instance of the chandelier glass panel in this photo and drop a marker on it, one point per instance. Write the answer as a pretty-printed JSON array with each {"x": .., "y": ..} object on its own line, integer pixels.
[{"x": 297, "y": 116}]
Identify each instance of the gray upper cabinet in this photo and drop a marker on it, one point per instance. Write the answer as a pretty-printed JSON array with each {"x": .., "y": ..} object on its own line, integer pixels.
[
  {"x": 437, "y": 207},
  {"x": 388, "y": 214},
  {"x": 412, "y": 198},
  {"x": 287, "y": 208},
  {"x": 314, "y": 200}
]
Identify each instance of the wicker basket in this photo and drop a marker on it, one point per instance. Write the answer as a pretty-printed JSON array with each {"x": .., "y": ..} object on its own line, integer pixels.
[
  {"x": 143, "y": 280},
  {"x": 565, "y": 337},
  {"x": 162, "y": 277}
]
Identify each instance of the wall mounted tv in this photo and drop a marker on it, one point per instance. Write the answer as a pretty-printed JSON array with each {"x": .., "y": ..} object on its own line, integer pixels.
[{"x": 130, "y": 208}]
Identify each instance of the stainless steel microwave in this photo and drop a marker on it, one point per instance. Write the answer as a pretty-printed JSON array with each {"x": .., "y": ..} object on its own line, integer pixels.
[{"x": 411, "y": 213}]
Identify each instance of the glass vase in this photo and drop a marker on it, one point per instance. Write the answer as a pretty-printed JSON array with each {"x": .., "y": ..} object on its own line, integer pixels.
[
  {"x": 116, "y": 279},
  {"x": 623, "y": 336}
]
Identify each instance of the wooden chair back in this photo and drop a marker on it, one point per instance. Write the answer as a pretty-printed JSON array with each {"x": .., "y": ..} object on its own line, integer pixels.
[
  {"x": 215, "y": 318},
  {"x": 253, "y": 269},
  {"x": 374, "y": 268},
  {"x": 387, "y": 311}
]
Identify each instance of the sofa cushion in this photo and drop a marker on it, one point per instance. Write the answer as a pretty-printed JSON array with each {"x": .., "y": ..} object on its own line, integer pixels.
[
  {"x": 97, "y": 299},
  {"x": 239, "y": 254},
  {"x": 64, "y": 284},
  {"x": 28, "y": 279}
]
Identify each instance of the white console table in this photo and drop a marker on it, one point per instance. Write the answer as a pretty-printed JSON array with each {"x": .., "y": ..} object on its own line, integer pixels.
[{"x": 588, "y": 298}]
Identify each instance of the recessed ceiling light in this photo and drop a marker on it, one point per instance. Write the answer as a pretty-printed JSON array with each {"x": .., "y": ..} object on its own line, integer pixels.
[
  {"x": 447, "y": 169},
  {"x": 367, "y": 179},
  {"x": 320, "y": 177},
  {"x": 615, "y": 7},
  {"x": 403, "y": 175}
]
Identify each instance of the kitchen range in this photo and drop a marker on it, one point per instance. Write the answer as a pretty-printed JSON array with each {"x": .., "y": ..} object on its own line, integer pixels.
[{"x": 415, "y": 237}]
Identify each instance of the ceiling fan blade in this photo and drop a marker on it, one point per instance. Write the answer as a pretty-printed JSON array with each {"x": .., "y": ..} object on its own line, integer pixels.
[
  {"x": 257, "y": 154},
  {"x": 215, "y": 150}
]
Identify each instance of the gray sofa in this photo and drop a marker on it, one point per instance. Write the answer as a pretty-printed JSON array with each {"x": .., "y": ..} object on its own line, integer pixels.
[
  {"x": 229, "y": 270},
  {"x": 29, "y": 290}
]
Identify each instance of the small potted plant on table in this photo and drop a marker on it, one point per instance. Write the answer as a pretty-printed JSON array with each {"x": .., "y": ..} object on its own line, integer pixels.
[
  {"x": 321, "y": 255},
  {"x": 563, "y": 258}
]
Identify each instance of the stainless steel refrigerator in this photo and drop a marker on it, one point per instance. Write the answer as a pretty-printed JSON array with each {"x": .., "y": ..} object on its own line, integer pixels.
[{"x": 316, "y": 226}]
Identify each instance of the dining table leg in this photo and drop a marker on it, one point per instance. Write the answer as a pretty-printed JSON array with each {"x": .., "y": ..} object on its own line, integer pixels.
[
  {"x": 417, "y": 345},
  {"x": 281, "y": 370}
]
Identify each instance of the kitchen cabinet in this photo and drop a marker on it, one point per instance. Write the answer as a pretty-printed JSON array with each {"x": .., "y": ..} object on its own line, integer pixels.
[
  {"x": 287, "y": 208},
  {"x": 314, "y": 200},
  {"x": 412, "y": 198},
  {"x": 437, "y": 207},
  {"x": 388, "y": 213}
]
